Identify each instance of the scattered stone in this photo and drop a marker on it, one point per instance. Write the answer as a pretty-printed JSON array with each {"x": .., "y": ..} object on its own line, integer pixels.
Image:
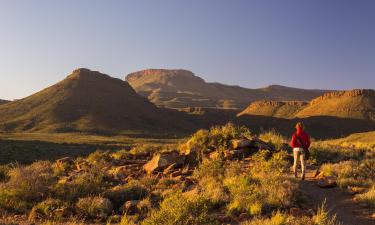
[
  {"x": 214, "y": 155},
  {"x": 67, "y": 160},
  {"x": 241, "y": 143},
  {"x": 162, "y": 161},
  {"x": 120, "y": 172},
  {"x": 327, "y": 182},
  {"x": 176, "y": 173},
  {"x": 356, "y": 190},
  {"x": 130, "y": 207},
  {"x": 169, "y": 169}
]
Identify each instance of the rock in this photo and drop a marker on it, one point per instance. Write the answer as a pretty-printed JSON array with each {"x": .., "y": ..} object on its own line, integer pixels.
[
  {"x": 241, "y": 143},
  {"x": 320, "y": 175},
  {"x": 214, "y": 155},
  {"x": 316, "y": 173},
  {"x": 169, "y": 169},
  {"x": 67, "y": 160},
  {"x": 356, "y": 190},
  {"x": 239, "y": 153},
  {"x": 176, "y": 173},
  {"x": 130, "y": 207},
  {"x": 327, "y": 182},
  {"x": 120, "y": 172},
  {"x": 162, "y": 161}
]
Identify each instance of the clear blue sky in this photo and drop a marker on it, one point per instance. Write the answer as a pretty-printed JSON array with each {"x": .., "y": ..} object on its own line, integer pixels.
[{"x": 309, "y": 44}]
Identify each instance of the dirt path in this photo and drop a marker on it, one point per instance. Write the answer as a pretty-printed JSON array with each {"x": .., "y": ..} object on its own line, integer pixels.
[{"x": 347, "y": 211}]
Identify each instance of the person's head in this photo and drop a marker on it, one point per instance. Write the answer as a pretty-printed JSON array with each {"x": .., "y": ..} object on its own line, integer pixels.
[{"x": 299, "y": 126}]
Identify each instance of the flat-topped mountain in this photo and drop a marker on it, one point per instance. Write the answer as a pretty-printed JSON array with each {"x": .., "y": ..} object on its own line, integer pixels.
[
  {"x": 355, "y": 104},
  {"x": 89, "y": 101},
  {"x": 279, "y": 109},
  {"x": 181, "y": 89}
]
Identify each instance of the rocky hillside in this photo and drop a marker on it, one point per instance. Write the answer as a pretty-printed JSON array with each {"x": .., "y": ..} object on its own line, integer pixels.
[
  {"x": 354, "y": 104},
  {"x": 181, "y": 89},
  {"x": 278, "y": 109},
  {"x": 3, "y": 101},
  {"x": 89, "y": 101}
]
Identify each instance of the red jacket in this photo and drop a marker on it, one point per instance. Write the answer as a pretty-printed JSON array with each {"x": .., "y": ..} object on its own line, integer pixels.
[{"x": 303, "y": 136}]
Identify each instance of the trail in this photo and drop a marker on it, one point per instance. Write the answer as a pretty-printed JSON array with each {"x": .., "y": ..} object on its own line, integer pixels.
[{"x": 347, "y": 211}]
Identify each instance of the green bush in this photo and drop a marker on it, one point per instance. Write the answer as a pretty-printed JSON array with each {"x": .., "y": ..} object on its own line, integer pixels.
[
  {"x": 177, "y": 209},
  {"x": 94, "y": 207},
  {"x": 130, "y": 191},
  {"x": 367, "y": 197},
  {"x": 26, "y": 185},
  {"x": 50, "y": 208},
  {"x": 352, "y": 173},
  {"x": 4, "y": 170},
  {"x": 83, "y": 184},
  {"x": 204, "y": 141}
]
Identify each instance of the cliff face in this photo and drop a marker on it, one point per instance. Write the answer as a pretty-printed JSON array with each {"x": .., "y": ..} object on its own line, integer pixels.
[
  {"x": 279, "y": 109},
  {"x": 355, "y": 104}
]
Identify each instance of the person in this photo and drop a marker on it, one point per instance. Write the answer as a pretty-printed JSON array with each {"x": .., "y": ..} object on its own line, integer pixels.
[{"x": 300, "y": 141}]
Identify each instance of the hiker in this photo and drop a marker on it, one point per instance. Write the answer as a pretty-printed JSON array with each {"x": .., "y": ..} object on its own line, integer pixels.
[{"x": 300, "y": 144}]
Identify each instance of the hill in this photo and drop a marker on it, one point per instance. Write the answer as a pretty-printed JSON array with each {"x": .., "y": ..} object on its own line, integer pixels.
[
  {"x": 181, "y": 89},
  {"x": 354, "y": 104},
  {"x": 278, "y": 109},
  {"x": 364, "y": 140},
  {"x": 89, "y": 101},
  {"x": 3, "y": 101},
  {"x": 331, "y": 115}
]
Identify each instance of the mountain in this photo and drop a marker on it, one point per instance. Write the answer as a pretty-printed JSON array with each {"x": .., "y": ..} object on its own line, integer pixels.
[
  {"x": 354, "y": 104},
  {"x": 3, "y": 101},
  {"x": 89, "y": 101},
  {"x": 279, "y": 109},
  {"x": 182, "y": 89},
  {"x": 333, "y": 114}
]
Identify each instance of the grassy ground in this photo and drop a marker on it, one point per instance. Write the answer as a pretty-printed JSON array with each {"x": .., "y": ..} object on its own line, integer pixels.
[{"x": 29, "y": 147}]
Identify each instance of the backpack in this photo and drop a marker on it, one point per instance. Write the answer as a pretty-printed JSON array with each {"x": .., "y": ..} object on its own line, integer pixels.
[{"x": 305, "y": 150}]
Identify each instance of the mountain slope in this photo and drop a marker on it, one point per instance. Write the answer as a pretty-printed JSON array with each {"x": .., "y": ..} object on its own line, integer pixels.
[
  {"x": 278, "y": 109},
  {"x": 3, "y": 101},
  {"x": 181, "y": 89},
  {"x": 89, "y": 101},
  {"x": 354, "y": 104}
]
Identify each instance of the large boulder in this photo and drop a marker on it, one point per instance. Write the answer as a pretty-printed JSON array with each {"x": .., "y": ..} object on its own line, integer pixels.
[
  {"x": 241, "y": 143},
  {"x": 162, "y": 161}
]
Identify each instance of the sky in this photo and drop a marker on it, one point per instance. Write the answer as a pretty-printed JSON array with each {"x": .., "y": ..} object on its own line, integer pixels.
[{"x": 325, "y": 44}]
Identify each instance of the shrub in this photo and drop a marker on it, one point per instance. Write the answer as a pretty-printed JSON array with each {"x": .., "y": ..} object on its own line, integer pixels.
[
  {"x": 352, "y": 173},
  {"x": 244, "y": 192},
  {"x": 50, "y": 208},
  {"x": 367, "y": 197},
  {"x": 100, "y": 158},
  {"x": 177, "y": 209},
  {"x": 279, "y": 141},
  {"x": 83, "y": 184},
  {"x": 4, "y": 170},
  {"x": 130, "y": 191},
  {"x": 94, "y": 207},
  {"x": 204, "y": 141},
  {"x": 26, "y": 185}
]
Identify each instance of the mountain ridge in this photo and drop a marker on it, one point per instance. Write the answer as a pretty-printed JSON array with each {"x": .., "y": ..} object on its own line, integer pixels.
[{"x": 182, "y": 88}]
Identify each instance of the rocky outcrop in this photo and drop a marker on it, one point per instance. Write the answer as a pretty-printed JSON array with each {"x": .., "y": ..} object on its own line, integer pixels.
[{"x": 164, "y": 160}]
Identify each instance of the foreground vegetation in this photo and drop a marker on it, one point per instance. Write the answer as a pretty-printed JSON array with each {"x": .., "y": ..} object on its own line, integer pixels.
[{"x": 257, "y": 189}]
